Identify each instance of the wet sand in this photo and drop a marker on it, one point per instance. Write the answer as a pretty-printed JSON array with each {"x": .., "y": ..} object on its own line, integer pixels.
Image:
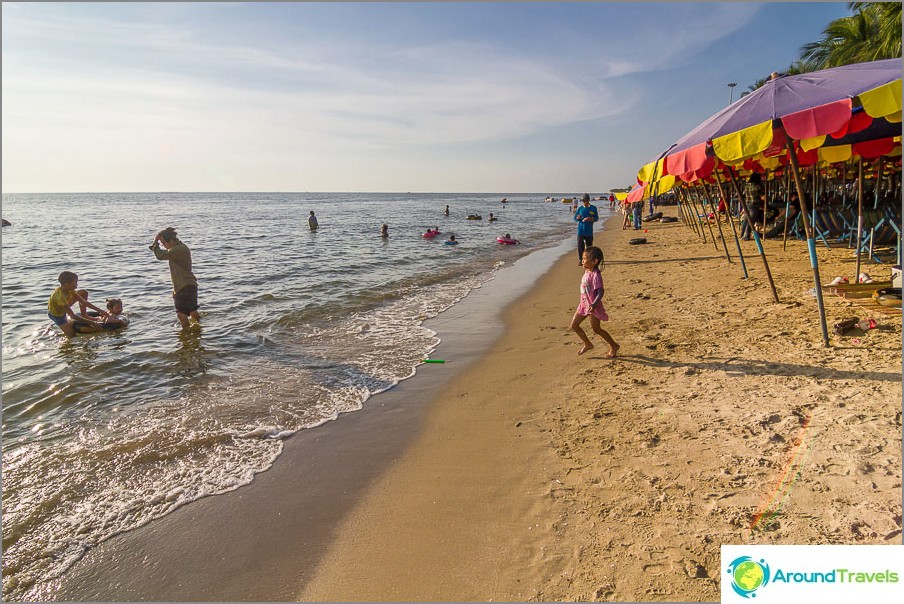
[
  {"x": 529, "y": 473},
  {"x": 265, "y": 540},
  {"x": 541, "y": 475}
]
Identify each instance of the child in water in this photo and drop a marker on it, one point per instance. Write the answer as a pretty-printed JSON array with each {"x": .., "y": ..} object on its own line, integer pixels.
[
  {"x": 113, "y": 320},
  {"x": 63, "y": 297},
  {"x": 592, "y": 302}
]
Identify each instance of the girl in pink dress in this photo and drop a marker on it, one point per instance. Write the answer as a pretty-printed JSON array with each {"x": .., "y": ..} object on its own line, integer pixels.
[{"x": 592, "y": 302}]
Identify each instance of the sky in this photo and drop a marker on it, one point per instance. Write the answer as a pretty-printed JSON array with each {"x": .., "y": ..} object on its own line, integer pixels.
[{"x": 500, "y": 97}]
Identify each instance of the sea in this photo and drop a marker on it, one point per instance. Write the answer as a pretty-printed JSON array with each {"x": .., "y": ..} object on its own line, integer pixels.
[{"x": 105, "y": 432}]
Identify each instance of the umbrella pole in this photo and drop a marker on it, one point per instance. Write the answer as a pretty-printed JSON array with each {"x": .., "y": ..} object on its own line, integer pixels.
[
  {"x": 709, "y": 200},
  {"x": 859, "y": 218},
  {"x": 734, "y": 231},
  {"x": 815, "y": 198},
  {"x": 687, "y": 208},
  {"x": 811, "y": 242},
  {"x": 712, "y": 235},
  {"x": 697, "y": 214},
  {"x": 756, "y": 236},
  {"x": 682, "y": 210},
  {"x": 787, "y": 209},
  {"x": 765, "y": 207}
]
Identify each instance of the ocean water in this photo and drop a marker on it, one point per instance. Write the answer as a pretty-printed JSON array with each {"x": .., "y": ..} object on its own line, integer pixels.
[{"x": 105, "y": 432}]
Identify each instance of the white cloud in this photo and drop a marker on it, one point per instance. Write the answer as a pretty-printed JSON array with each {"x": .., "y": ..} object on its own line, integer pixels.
[{"x": 157, "y": 96}]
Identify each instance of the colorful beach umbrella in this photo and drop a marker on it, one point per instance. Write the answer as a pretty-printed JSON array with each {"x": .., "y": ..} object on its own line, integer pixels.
[
  {"x": 800, "y": 119},
  {"x": 805, "y": 106}
]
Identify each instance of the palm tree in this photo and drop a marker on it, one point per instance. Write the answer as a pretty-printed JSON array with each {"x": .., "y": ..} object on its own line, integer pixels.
[
  {"x": 888, "y": 15},
  {"x": 872, "y": 33}
]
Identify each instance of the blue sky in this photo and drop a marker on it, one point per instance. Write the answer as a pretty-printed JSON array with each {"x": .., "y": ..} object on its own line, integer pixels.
[{"x": 434, "y": 97}]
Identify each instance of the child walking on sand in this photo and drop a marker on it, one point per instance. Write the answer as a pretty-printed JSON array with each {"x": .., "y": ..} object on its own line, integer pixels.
[{"x": 592, "y": 302}]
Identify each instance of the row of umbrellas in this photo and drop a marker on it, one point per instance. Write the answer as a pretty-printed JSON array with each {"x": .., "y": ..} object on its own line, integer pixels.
[{"x": 816, "y": 118}]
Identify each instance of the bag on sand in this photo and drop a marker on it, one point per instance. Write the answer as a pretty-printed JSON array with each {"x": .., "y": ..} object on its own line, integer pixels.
[{"x": 845, "y": 326}]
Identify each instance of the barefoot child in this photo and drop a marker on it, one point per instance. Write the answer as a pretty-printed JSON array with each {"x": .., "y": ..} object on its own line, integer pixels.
[{"x": 592, "y": 302}]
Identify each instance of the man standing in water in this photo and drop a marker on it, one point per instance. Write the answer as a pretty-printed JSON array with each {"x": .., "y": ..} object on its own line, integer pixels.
[
  {"x": 185, "y": 286},
  {"x": 585, "y": 216},
  {"x": 312, "y": 221}
]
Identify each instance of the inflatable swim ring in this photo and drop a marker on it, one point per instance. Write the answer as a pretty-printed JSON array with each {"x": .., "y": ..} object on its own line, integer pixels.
[
  {"x": 451, "y": 243},
  {"x": 506, "y": 240},
  {"x": 430, "y": 234},
  {"x": 475, "y": 217},
  {"x": 85, "y": 328}
]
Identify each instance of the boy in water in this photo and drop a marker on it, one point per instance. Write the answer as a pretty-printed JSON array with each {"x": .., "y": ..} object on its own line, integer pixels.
[{"x": 63, "y": 297}]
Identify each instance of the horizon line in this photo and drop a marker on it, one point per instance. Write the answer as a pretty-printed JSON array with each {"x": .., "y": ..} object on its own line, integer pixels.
[{"x": 296, "y": 192}]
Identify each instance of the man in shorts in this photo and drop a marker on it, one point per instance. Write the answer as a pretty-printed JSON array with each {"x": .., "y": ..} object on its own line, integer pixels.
[{"x": 185, "y": 286}]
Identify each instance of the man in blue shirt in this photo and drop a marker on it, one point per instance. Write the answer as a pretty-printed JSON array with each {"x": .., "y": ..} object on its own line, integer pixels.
[{"x": 585, "y": 217}]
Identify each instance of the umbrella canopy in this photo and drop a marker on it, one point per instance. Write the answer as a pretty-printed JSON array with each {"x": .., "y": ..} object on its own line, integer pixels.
[
  {"x": 809, "y": 106},
  {"x": 635, "y": 194}
]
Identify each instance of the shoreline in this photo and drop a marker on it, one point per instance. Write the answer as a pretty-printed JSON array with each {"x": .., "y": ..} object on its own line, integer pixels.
[
  {"x": 208, "y": 550},
  {"x": 539, "y": 475},
  {"x": 588, "y": 479}
]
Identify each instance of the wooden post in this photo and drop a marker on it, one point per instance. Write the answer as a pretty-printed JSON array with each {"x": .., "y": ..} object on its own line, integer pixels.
[
  {"x": 811, "y": 242},
  {"x": 756, "y": 236},
  {"x": 718, "y": 222},
  {"x": 734, "y": 231}
]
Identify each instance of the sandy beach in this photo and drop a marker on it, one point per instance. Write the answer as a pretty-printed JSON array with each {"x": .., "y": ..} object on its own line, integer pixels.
[
  {"x": 535, "y": 474},
  {"x": 541, "y": 475}
]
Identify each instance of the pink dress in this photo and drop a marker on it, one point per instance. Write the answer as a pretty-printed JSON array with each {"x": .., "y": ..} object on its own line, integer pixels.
[{"x": 590, "y": 284}]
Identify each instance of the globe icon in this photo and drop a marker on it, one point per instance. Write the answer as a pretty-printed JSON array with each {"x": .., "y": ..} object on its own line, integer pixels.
[{"x": 748, "y": 575}]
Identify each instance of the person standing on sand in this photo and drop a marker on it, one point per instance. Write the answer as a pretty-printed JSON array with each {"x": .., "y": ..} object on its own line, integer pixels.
[
  {"x": 585, "y": 217},
  {"x": 592, "y": 303},
  {"x": 185, "y": 286}
]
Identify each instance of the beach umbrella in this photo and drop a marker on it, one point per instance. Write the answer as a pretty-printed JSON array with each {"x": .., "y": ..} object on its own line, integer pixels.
[
  {"x": 794, "y": 114},
  {"x": 808, "y": 106},
  {"x": 635, "y": 194}
]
